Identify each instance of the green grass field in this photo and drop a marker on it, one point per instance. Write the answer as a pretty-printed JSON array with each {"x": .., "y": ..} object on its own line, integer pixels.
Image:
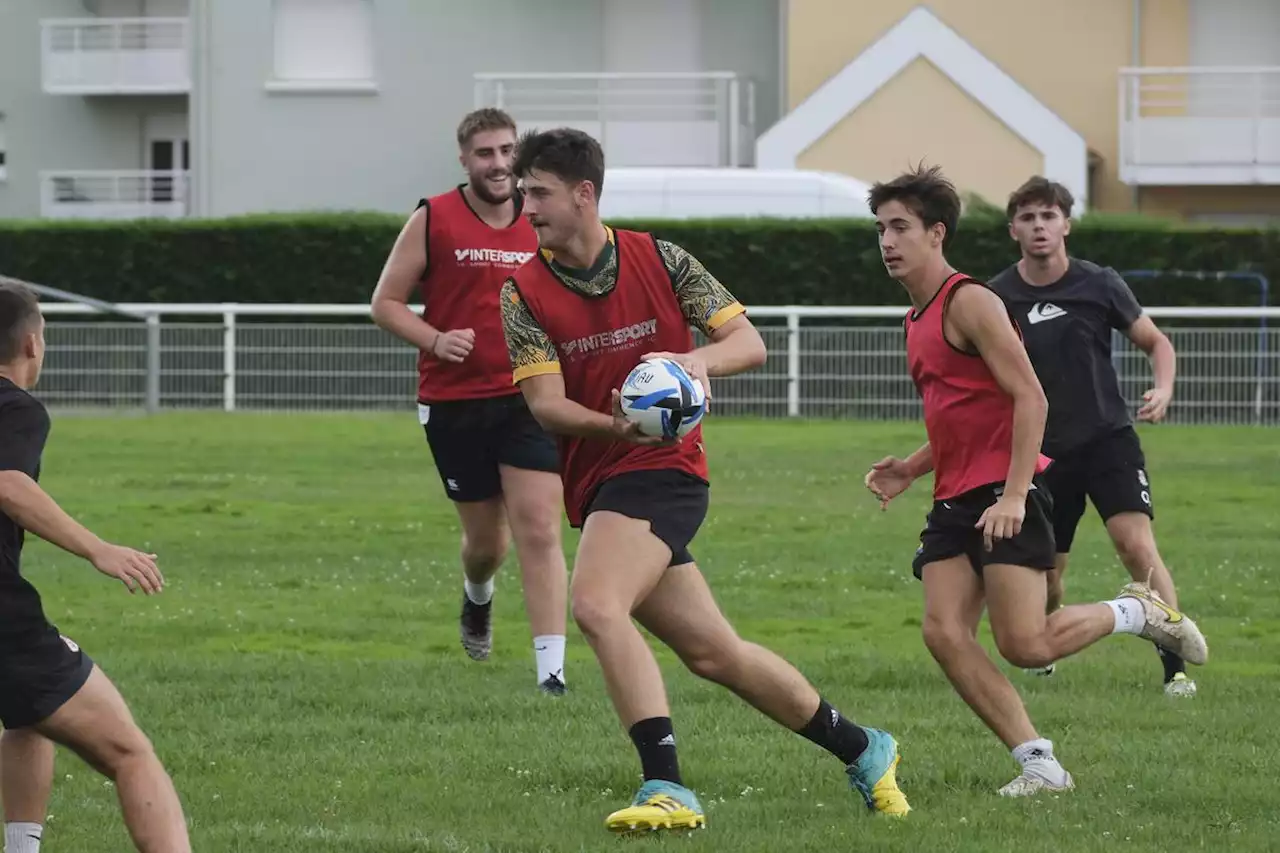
[{"x": 302, "y": 679}]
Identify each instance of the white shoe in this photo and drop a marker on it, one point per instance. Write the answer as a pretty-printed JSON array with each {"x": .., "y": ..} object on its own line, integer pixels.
[
  {"x": 1180, "y": 687},
  {"x": 1040, "y": 670},
  {"x": 1166, "y": 626},
  {"x": 1039, "y": 774}
]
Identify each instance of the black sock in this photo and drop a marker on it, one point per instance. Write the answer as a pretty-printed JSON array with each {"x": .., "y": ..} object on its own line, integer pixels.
[
  {"x": 1172, "y": 663},
  {"x": 843, "y": 738},
  {"x": 655, "y": 740}
]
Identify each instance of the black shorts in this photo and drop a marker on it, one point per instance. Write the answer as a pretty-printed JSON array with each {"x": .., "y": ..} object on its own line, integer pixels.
[
  {"x": 673, "y": 502},
  {"x": 469, "y": 439},
  {"x": 950, "y": 531},
  {"x": 39, "y": 671},
  {"x": 1110, "y": 471}
]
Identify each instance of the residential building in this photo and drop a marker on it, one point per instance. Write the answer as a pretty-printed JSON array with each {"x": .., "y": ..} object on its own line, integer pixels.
[
  {"x": 217, "y": 107},
  {"x": 114, "y": 108},
  {"x": 1169, "y": 107}
]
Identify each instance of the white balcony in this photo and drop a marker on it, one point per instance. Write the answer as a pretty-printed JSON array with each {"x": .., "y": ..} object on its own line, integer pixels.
[
  {"x": 1200, "y": 126},
  {"x": 115, "y": 56},
  {"x": 114, "y": 195},
  {"x": 702, "y": 119}
]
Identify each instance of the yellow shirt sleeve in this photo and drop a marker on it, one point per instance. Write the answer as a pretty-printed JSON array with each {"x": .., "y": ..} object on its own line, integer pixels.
[
  {"x": 532, "y": 352},
  {"x": 707, "y": 304}
]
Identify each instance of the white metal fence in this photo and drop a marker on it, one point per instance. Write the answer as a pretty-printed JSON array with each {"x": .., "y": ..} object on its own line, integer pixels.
[{"x": 847, "y": 362}]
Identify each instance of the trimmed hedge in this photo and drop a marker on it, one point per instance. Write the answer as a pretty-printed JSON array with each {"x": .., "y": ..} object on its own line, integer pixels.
[{"x": 336, "y": 257}]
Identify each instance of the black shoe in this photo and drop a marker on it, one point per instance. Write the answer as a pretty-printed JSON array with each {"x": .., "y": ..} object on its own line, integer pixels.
[
  {"x": 476, "y": 629},
  {"x": 553, "y": 686}
]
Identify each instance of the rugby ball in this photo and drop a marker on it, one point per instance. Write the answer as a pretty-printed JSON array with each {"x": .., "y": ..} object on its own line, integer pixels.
[{"x": 663, "y": 399}]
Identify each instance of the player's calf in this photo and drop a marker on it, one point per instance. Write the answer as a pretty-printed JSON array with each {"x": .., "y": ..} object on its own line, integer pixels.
[{"x": 26, "y": 778}]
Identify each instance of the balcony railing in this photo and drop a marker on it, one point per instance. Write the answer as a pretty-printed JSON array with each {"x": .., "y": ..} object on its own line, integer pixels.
[
  {"x": 1203, "y": 126},
  {"x": 115, "y": 56},
  {"x": 114, "y": 195},
  {"x": 641, "y": 119}
]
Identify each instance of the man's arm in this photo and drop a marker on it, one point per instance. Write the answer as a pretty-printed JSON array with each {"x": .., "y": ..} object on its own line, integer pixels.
[
  {"x": 920, "y": 463},
  {"x": 30, "y": 506},
  {"x": 400, "y": 276},
  {"x": 535, "y": 367},
  {"x": 736, "y": 345},
  {"x": 980, "y": 316},
  {"x": 1147, "y": 337}
]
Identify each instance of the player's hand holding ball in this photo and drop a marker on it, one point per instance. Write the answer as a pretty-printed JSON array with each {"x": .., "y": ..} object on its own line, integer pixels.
[
  {"x": 661, "y": 400},
  {"x": 454, "y": 345},
  {"x": 692, "y": 364},
  {"x": 628, "y": 430}
]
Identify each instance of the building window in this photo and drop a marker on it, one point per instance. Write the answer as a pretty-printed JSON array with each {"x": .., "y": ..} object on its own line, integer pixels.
[{"x": 323, "y": 45}]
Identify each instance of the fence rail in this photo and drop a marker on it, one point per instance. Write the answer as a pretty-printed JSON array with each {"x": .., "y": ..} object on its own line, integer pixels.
[
  {"x": 298, "y": 358},
  {"x": 148, "y": 55},
  {"x": 1202, "y": 125}
]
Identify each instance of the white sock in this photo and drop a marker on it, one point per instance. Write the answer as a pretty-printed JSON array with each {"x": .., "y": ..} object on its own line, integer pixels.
[
  {"x": 479, "y": 593},
  {"x": 1130, "y": 618},
  {"x": 1038, "y": 749},
  {"x": 22, "y": 837},
  {"x": 548, "y": 650}
]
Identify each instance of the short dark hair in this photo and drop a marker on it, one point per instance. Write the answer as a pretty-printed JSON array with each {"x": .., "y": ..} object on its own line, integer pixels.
[
  {"x": 478, "y": 121},
  {"x": 569, "y": 154},
  {"x": 1040, "y": 190},
  {"x": 19, "y": 310},
  {"x": 926, "y": 193}
]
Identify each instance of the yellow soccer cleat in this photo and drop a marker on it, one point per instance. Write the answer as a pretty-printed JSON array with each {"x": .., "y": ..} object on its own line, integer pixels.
[
  {"x": 874, "y": 775},
  {"x": 658, "y": 804}
]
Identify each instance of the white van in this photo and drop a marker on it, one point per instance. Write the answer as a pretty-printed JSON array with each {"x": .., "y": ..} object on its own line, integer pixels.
[{"x": 695, "y": 193}]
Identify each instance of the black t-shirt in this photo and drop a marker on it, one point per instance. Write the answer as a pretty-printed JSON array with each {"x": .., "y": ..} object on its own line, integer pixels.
[
  {"x": 24, "y": 427},
  {"x": 1067, "y": 329}
]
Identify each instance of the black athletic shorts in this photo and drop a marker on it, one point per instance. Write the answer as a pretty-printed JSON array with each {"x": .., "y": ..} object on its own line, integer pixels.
[
  {"x": 39, "y": 671},
  {"x": 1110, "y": 471},
  {"x": 950, "y": 531},
  {"x": 673, "y": 502},
  {"x": 469, "y": 439}
]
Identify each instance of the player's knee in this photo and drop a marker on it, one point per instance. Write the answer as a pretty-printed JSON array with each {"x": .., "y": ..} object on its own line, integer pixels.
[
  {"x": 484, "y": 553},
  {"x": 942, "y": 637},
  {"x": 112, "y": 752},
  {"x": 539, "y": 535},
  {"x": 715, "y": 661},
  {"x": 1024, "y": 651},
  {"x": 594, "y": 613}
]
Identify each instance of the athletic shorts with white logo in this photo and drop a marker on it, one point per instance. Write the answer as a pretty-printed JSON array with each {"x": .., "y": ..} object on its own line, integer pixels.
[
  {"x": 1110, "y": 471},
  {"x": 39, "y": 671},
  {"x": 951, "y": 531},
  {"x": 469, "y": 439}
]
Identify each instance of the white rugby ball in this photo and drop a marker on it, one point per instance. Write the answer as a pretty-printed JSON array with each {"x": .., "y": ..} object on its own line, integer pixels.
[{"x": 663, "y": 399}]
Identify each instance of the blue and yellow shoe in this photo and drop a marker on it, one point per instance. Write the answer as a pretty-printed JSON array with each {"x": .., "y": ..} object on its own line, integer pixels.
[
  {"x": 658, "y": 805},
  {"x": 874, "y": 775}
]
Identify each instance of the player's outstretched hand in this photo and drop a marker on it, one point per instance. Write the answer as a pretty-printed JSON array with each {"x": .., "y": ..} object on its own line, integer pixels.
[
  {"x": 1156, "y": 403},
  {"x": 692, "y": 364},
  {"x": 454, "y": 345},
  {"x": 628, "y": 430},
  {"x": 887, "y": 479},
  {"x": 136, "y": 570},
  {"x": 1002, "y": 520}
]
